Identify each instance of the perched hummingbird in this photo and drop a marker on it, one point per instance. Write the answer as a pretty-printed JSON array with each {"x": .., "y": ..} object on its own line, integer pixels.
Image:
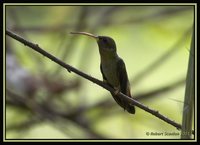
[{"x": 113, "y": 69}]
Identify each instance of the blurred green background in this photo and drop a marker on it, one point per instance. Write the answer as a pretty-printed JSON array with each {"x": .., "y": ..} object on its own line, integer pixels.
[{"x": 45, "y": 101}]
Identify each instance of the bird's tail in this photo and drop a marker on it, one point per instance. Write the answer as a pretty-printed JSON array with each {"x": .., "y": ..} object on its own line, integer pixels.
[{"x": 129, "y": 107}]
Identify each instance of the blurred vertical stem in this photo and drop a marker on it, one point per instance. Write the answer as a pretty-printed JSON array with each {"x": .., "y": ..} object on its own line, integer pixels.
[{"x": 189, "y": 96}]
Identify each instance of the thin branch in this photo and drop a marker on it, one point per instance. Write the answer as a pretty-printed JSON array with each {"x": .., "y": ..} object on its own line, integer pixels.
[
  {"x": 150, "y": 94},
  {"x": 107, "y": 103},
  {"x": 94, "y": 80}
]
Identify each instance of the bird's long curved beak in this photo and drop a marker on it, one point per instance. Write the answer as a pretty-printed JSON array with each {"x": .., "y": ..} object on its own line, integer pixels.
[{"x": 86, "y": 33}]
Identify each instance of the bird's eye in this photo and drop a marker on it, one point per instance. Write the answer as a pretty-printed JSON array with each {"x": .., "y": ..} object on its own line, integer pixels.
[{"x": 105, "y": 40}]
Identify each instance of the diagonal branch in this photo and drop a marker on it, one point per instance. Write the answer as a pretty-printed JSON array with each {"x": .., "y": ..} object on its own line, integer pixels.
[{"x": 94, "y": 80}]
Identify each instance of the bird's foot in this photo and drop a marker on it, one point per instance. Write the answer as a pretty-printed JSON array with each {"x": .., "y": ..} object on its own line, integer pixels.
[{"x": 117, "y": 90}]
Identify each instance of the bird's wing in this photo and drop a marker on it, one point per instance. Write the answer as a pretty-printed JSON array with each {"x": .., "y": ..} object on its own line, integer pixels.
[
  {"x": 123, "y": 77},
  {"x": 104, "y": 78},
  {"x": 124, "y": 85}
]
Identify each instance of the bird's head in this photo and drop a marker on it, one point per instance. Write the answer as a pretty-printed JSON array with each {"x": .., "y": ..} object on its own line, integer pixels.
[{"x": 105, "y": 43}]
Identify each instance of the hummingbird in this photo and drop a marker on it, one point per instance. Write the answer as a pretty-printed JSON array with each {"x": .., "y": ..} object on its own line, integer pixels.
[{"x": 113, "y": 69}]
